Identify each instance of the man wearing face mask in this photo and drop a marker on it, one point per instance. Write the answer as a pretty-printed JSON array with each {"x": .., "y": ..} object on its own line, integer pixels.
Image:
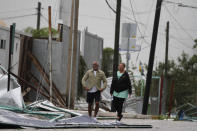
[{"x": 92, "y": 84}]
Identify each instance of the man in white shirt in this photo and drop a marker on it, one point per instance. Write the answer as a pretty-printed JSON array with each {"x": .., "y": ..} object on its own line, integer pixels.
[{"x": 92, "y": 84}]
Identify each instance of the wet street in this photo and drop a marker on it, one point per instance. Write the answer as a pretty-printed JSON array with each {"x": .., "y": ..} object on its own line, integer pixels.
[{"x": 158, "y": 125}]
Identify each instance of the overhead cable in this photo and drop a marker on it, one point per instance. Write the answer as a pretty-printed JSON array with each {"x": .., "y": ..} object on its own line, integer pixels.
[
  {"x": 14, "y": 11},
  {"x": 179, "y": 23},
  {"x": 16, "y": 17},
  {"x": 110, "y": 6}
]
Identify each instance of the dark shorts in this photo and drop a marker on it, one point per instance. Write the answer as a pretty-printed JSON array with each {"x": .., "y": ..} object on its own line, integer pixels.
[{"x": 93, "y": 96}]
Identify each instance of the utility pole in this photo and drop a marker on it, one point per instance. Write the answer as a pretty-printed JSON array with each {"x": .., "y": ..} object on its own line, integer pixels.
[
  {"x": 50, "y": 54},
  {"x": 166, "y": 54},
  {"x": 166, "y": 71},
  {"x": 38, "y": 15},
  {"x": 11, "y": 45},
  {"x": 151, "y": 57},
  {"x": 70, "y": 50},
  {"x": 117, "y": 35},
  {"x": 74, "y": 58}
]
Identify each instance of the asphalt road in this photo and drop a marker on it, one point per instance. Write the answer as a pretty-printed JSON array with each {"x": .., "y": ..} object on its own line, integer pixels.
[{"x": 158, "y": 125}]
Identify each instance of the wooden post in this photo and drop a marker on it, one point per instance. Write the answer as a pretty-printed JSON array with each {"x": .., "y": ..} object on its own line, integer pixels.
[
  {"x": 46, "y": 77},
  {"x": 32, "y": 87},
  {"x": 74, "y": 59},
  {"x": 171, "y": 99},
  {"x": 24, "y": 61},
  {"x": 117, "y": 36},
  {"x": 50, "y": 54},
  {"x": 160, "y": 99},
  {"x": 29, "y": 85},
  {"x": 37, "y": 83},
  {"x": 151, "y": 57},
  {"x": 38, "y": 15},
  {"x": 70, "y": 50}
]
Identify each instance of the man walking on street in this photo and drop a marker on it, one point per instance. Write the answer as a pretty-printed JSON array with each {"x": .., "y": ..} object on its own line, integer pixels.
[{"x": 92, "y": 84}]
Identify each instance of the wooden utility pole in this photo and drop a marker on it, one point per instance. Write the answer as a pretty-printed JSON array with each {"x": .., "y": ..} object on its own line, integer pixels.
[
  {"x": 160, "y": 99},
  {"x": 11, "y": 46},
  {"x": 166, "y": 54},
  {"x": 70, "y": 50},
  {"x": 74, "y": 58},
  {"x": 117, "y": 35},
  {"x": 151, "y": 57},
  {"x": 171, "y": 98},
  {"x": 50, "y": 54},
  {"x": 166, "y": 71},
  {"x": 38, "y": 15}
]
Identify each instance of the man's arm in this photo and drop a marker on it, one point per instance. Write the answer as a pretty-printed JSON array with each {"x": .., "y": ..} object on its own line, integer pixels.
[
  {"x": 84, "y": 79},
  {"x": 104, "y": 82}
]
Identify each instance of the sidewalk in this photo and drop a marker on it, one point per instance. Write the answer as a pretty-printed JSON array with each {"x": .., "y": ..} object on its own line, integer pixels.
[{"x": 158, "y": 125}]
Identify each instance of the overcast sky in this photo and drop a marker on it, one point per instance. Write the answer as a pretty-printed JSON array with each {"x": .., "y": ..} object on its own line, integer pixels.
[{"x": 100, "y": 20}]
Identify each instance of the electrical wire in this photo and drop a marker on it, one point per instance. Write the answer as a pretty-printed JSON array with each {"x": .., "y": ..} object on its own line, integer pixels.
[
  {"x": 110, "y": 6},
  {"x": 183, "y": 44},
  {"x": 14, "y": 11},
  {"x": 179, "y": 23},
  {"x": 16, "y": 17},
  {"x": 181, "y": 4},
  {"x": 47, "y": 20},
  {"x": 138, "y": 29},
  {"x": 137, "y": 23}
]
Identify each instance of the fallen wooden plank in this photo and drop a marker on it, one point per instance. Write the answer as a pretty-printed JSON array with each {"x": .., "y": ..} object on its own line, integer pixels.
[{"x": 46, "y": 77}]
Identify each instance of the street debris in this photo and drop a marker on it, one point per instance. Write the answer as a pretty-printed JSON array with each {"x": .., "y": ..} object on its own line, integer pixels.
[{"x": 42, "y": 113}]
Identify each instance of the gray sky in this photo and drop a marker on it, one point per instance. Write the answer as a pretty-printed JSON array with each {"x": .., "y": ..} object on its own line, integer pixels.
[{"x": 100, "y": 20}]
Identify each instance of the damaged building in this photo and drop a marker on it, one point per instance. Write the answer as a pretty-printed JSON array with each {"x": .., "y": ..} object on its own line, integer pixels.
[{"x": 30, "y": 60}]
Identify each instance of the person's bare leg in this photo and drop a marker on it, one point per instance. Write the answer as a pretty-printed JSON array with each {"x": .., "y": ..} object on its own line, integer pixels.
[
  {"x": 89, "y": 109},
  {"x": 96, "y": 108}
]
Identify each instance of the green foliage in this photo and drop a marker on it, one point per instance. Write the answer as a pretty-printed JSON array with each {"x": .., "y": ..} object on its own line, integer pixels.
[
  {"x": 107, "y": 61},
  {"x": 29, "y": 30},
  {"x": 138, "y": 85},
  {"x": 195, "y": 45},
  {"x": 184, "y": 73},
  {"x": 42, "y": 33},
  {"x": 82, "y": 69}
]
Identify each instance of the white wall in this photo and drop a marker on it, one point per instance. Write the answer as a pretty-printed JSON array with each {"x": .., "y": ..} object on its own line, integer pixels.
[{"x": 4, "y": 53}]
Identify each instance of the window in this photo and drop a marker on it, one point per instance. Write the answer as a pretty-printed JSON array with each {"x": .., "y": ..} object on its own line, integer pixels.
[{"x": 2, "y": 44}]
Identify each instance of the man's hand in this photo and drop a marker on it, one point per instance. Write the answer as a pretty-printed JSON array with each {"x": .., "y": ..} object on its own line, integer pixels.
[
  {"x": 87, "y": 89},
  {"x": 129, "y": 95},
  {"x": 102, "y": 89}
]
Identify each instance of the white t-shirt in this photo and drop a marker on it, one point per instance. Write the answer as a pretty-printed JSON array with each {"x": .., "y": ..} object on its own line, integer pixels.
[{"x": 93, "y": 89}]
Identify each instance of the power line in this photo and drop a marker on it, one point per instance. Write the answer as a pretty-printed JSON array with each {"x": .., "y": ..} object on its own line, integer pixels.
[
  {"x": 170, "y": 2},
  {"x": 14, "y": 11},
  {"x": 110, "y": 6},
  {"x": 47, "y": 20},
  {"x": 183, "y": 44},
  {"x": 138, "y": 28},
  {"x": 181, "y": 4},
  {"x": 179, "y": 23},
  {"x": 137, "y": 23},
  {"x": 16, "y": 17}
]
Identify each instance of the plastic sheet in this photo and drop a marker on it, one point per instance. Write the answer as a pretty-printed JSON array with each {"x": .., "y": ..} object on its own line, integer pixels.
[{"x": 14, "y": 96}]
